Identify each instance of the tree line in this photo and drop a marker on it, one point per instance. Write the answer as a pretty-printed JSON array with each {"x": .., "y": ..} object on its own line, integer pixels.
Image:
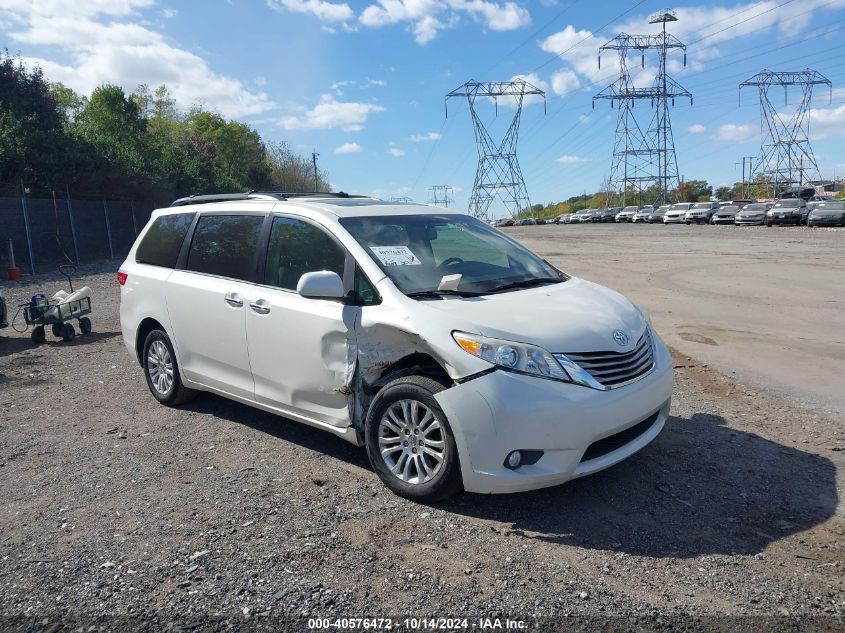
[{"x": 137, "y": 145}]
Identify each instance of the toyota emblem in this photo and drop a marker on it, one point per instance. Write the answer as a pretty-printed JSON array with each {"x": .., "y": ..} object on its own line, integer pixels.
[{"x": 620, "y": 337}]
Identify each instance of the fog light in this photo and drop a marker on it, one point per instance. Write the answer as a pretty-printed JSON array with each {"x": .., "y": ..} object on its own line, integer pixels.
[{"x": 513, "y": 460}]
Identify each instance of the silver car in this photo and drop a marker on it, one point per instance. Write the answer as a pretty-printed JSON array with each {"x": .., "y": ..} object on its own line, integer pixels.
[{"x": 753, "y": 214}]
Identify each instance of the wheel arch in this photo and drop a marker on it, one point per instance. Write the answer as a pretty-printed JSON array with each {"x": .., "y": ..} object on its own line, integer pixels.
[{"x": 146, "y": 326}]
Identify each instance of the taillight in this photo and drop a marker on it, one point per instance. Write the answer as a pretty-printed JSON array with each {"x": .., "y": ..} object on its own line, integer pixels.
[{"x": 121, "y": 278}]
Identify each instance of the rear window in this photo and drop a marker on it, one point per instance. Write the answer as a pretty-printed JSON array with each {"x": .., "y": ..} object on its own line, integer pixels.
[
  {"x": 163, "y": 241},
  {"x": 225, "y": 245}
]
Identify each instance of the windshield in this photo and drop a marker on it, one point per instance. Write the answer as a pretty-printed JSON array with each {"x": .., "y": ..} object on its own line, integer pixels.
[
  {"x": 728, "y": 209},
  {"x": 702, "y": 205},
  {"x": 630, "y": 209},
  {"x": 754, "y": 207},
  {"x": 831, "y": 206},
  {"x": 794, "y": 202},
  {"x": 418, "y": 251},
  {"x": 680, "y": 207}
]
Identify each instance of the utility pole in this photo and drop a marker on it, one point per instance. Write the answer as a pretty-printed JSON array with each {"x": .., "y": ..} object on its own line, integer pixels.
[
  {"x": 644, "y": 156},
  {"x": 314, "y": 155}
]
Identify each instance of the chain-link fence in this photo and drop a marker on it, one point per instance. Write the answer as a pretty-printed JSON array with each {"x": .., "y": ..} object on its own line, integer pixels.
[{"x": 46, "y": 232}]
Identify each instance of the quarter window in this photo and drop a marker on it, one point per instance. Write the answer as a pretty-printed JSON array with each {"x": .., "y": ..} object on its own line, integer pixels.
[
  {"x": 163, "y": 241},
  {"x": 296, "y": 248},
  {"x": 225, "y": 245}
]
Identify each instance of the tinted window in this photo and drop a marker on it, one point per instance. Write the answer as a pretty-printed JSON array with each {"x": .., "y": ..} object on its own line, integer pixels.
[
  {"x": 225, "y": 245},
  {"x": 296, "y": 248},
  {"x": 162, "y": 242}
]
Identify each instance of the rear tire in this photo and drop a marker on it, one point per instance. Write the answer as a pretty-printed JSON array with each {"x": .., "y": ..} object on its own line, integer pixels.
[
  {"x": 162, "y": 371},
  {"x": 68, "y": 333},
  {"x": 38, "y": 335},
  {"x": 57, "y": 330},
  {"x": 405, "y": 418}
]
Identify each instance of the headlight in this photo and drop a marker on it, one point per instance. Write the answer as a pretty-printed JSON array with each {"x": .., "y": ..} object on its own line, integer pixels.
[{"x": 517, "y": 357}]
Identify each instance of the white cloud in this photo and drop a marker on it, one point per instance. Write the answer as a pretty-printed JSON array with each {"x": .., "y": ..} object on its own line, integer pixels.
[
  {"x": 324, "y": 11},
  {"x": 395, "y": 151},
  {"x": 421, "y": 138},
  {"x": 731, "y": 132},
  {"x": 565, "y": 81},
  {"x": 170, "y": 13},
  {"x": 101, "y": 48},
  {"x": 573, "y": 160},
  {"x": 348, "y": 148},
  {"x": 534, "y": 80},
  {"x": 697, "y": 128},
  {"x": 329, "y": 113},
  {"x": 426, "y": 18},
  {"x": 826, "y": 122}
]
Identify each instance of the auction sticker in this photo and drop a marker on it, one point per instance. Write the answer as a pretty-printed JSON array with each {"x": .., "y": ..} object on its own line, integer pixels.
[{"x": 395, "y": 255}]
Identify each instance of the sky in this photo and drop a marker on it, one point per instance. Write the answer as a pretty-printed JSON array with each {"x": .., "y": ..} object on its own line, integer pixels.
[{"x": 363, "y": 83}]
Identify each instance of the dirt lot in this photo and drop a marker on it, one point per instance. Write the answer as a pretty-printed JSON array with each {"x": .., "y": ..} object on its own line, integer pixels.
[{"x": 115, "y": 506}]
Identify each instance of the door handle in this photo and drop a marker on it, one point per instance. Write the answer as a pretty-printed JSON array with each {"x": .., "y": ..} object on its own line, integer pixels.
[
  {"x": 260, "y": 306},
  {"x": 233, "y": 299}
]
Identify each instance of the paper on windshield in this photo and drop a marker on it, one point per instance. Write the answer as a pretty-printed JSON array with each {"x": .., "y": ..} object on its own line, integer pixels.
[{"x": 395, "y": 255}]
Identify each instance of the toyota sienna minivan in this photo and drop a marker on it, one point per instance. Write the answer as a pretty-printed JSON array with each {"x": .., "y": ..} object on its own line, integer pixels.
[{"x": 459, "y": 359}]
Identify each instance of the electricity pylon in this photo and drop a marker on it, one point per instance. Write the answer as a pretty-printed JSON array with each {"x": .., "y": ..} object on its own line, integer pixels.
[
  {"x": 498, "y": 173},
  {"x": 644, "y": 156},
  {"x": 441, "y": 195},
  {"x": 786, "y": 158}
]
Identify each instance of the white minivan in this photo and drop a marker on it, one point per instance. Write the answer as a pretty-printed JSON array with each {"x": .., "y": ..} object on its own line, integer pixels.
[{"x": 458, "y": 357}]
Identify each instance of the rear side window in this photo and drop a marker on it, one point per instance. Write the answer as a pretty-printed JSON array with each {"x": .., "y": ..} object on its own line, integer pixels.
[
  {"x": 296, "y": 248},
  {"x": 225, "y": 245},
  {"x": 163, "y": 241}
]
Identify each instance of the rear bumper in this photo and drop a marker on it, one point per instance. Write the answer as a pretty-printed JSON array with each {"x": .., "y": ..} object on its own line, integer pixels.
[{"x": 499, "y": 412}]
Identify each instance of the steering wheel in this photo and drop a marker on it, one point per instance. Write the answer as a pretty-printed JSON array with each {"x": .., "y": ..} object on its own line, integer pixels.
[{"x": 449, "y": 261}]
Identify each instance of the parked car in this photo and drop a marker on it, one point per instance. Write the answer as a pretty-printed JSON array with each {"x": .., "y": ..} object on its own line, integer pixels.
[
  {"x": 539, "y": 221},
  {"x": 566, "y": 218},
  {"x": 627, "y": 214},
  {"x": 725, "y": 215},
  {"x": 588, "y": 215},
  {"x": 525, "y": 222},
  {"x": 786, "y": 211},
  {"x": 362, "y": 319},
  {"x": 4, "y": 312},
  {"x": 828, "y": 213},
  {"x": 818, "y": 198},
  {"x": 608, "y": 214},
  {"x": 752, "y": 214},
  {"x": 504, "y": 222},
  {"x": 659, "y": 213},
  {"x": 676, "y": 213},
  {"x": 643, "y": 215},
  {"x": 700, "y": 212}
]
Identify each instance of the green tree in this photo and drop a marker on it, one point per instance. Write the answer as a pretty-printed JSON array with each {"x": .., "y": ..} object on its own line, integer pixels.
[{"x": 724, "y": 193}]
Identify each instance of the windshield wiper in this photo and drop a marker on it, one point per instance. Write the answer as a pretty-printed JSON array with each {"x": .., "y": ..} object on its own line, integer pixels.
[
  {"x": 439, "y": 294},
  {"x": 526, "y": 283}
]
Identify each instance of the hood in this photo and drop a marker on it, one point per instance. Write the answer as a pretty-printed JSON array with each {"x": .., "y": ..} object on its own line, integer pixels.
[
  {"x": 573, "y": 316},
  {"x": 827, "y": 213}
]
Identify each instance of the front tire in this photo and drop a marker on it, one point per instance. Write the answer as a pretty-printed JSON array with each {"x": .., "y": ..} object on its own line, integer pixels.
[
  {"x": 410, "y": 442},
  {"x": 162, "y": 371}
]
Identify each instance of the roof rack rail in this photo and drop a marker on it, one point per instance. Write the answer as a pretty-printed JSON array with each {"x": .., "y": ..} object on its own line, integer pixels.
[
  {"x": 221, "y": 197},
  {"x": 259, "y": 195}
]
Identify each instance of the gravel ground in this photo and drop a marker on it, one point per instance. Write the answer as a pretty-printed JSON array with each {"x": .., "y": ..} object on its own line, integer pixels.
[{"x": 222, "y": 516}]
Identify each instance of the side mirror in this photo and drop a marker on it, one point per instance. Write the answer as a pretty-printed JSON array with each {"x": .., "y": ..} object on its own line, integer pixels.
[{"x": 324, "y": 284}]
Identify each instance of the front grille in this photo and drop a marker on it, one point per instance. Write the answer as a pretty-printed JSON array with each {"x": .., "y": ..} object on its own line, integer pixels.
[
  {"x": 614, "y": 368},
  {"x": 609, "y": 444}
]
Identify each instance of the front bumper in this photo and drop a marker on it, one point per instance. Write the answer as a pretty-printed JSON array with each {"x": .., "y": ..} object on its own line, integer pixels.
[
  {"x": 723, "y": 220},
  {"x": 673, "y": 220},
  {"x": 499, "y": 412}
]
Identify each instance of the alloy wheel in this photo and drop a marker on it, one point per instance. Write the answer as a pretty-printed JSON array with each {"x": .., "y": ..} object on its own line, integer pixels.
[
  {"x": 160, "y": 367},
  {"x": 411, "y": 441}
]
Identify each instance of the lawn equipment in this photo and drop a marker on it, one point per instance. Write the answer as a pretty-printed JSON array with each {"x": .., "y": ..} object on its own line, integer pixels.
[{"x": 59, "y": 311}]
